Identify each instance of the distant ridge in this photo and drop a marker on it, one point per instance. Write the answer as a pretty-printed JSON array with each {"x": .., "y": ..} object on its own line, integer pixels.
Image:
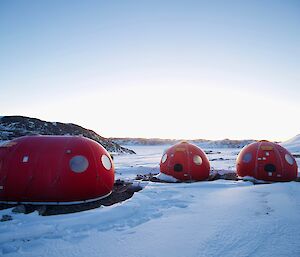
[
  {"x": 225, "y": 143},
  {"x": 16, "y": 126}
]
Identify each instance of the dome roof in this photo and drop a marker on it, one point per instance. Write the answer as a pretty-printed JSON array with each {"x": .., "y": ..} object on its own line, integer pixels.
[
  {"x": 185, "y": 161},
  {"x": 266, "y": 161},
  {"x": 54, "y": 169}
]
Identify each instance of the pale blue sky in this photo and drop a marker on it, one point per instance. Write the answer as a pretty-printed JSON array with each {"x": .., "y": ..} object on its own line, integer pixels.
[{"x": 175, "y": 69}]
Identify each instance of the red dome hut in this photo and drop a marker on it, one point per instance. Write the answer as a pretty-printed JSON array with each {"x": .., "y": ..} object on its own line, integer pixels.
[
  {"x": 185, "y": 161},
  {"x": 54, "y": 170},
  {"x": 268, "y": 161}
]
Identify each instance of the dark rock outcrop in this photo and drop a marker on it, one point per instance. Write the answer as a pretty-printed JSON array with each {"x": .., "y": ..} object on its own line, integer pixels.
[{"x": 16, "y": 126}]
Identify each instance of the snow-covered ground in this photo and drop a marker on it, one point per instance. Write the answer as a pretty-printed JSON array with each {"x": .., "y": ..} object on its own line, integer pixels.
[
  {"x": 148, "y": 157},
  {"x": 209, "y": 219}
]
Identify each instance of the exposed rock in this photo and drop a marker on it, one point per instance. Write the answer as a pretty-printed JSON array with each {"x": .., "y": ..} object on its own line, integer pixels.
[
  {"x": 6, "y": 218},
  {"x": 42, "y": 210},
  {"x": 24, "y": 208},
  {"x": 148, "y": 177},
  {"x": 297, "y": 179},
  {"x": 229, "y": 176},
  {"x": 219, "y": 159},
  {"x": 211, "y": 152},
  {"x": 214, "y": 176},
  {"x": 16, "y": 126},
  {"x": 19, "y": 209},
  {"x": 6, "y": 206}
]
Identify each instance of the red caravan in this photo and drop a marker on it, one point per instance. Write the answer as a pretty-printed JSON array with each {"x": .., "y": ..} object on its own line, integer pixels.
[
  {"x": 54, "y": 169},
  {"x": 185, "y": 161},
  {"x": 266, "y": 161}
]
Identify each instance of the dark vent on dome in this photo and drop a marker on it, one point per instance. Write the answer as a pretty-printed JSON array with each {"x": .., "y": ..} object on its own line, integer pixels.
[
  {"x": 270, "y": 168},
  {"x": 178, "y": 167}
]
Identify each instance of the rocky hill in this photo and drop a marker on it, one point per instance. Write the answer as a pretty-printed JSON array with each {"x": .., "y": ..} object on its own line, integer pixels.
[{"x": 16, "y": 126}]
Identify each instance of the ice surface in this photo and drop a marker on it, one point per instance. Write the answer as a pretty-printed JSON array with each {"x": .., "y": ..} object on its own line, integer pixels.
[
  {"x": 203, "y": 219},
  {"x": 146, "y": 160}
]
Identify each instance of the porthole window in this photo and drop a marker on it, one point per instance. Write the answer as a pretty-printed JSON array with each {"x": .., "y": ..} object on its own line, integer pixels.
[
  {"x": 106, "y": 162},
  {"x": 289, "y": 159},
  {"x": 164, "y": 158},
  {"x": 79, "y": 164},
  {"x": 197, "y": 160},
  {"x": 25, "y": 159},
  {"x": 247, "y": 157}
]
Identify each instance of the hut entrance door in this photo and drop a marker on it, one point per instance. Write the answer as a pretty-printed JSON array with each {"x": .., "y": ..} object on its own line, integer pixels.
[
  {"x": 267, "y": 163},
  {"x": 179, "y": 164}
]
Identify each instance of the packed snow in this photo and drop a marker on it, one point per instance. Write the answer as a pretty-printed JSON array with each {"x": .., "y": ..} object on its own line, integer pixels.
[
  {"x": 166, "y": 178},
  {"x": 203, "y": 219}
]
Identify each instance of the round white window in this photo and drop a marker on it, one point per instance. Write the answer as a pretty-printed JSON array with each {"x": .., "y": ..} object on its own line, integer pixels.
[
  {"x": 247, "y": 157},
  {"x": 197, "y": 160},
  {"x": 289, "y": 159},
  {"x": 106, "y": 162},
  {"x": 79, "y": 163},
  {"x": 164, "y": 158}
]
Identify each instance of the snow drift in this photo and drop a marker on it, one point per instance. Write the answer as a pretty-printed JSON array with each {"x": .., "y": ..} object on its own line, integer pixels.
[{"x": 293, "y": 144}]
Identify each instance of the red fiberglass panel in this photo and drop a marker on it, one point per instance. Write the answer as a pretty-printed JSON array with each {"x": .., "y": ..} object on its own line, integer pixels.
[
  {"x": 185, "y": 161},
  {"x": 54, "y": 169},
  {"x": 180, "y": 159},
  {"x": 266, "y": 161}
]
